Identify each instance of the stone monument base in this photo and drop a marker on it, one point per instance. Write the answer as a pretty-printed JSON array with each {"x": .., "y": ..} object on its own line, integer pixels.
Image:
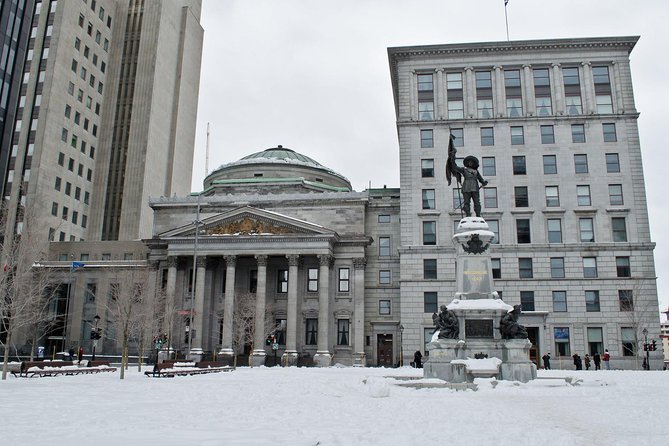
[
  {"x": 257, "y": 358},
  {"x": 289, "y": 359},
  {"x": 323, "y": 359}
]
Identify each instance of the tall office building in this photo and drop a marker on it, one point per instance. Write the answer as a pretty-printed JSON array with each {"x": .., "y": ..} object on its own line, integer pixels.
[
  {"x": 106, "y": 113},
  {"x": 554, "y": 125}
]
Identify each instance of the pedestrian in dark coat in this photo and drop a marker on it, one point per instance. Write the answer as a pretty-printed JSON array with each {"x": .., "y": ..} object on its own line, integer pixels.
[
  {"x": 80, "y": 355},
  {"x": 577, "y": 361},
  {"x": 587, "y": 362},
  {"x": 547, "y": 361},
  {"x": 417, "y": 359},
  {"x": 598, "y": 361}
]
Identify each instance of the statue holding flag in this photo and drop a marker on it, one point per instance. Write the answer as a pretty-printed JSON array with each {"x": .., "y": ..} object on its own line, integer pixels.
[{"x": 472, "y": 178}]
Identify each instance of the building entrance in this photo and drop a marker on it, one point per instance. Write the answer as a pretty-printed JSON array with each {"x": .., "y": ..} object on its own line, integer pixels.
[
  {"x": 533, "y": 336},
  {"x": 384, "y": 350}
]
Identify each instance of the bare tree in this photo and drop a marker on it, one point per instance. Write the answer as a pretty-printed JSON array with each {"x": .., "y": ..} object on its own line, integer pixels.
[
  {"x": 243, "y": 323},
  {"x": 130, "y": 304},
  {"x": 25, "y": 286},
  {"x": 639, "y": 313}
]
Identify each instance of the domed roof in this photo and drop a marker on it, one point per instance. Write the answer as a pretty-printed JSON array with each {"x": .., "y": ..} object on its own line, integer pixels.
[{"x": 282, "y": 153}]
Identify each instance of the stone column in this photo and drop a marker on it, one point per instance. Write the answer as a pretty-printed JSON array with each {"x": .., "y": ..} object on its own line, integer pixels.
[
  {"x": 197, "y": 324},
  {"x": 617, "y": 87},
  {"x": 557, "y": 88},
  {"x": 290, "y": 355},
  {"x": 588, "y": 89},
  {"x": 528, "y": 83},
  {"x": 359, "y": 357},
  {"x": 469, "y": 93},
  {"x": 498, "y": 89},
  {"x": 228, "y": 307},
  {"x": 323, "y": 356},
  {"x": 413, "y": 96},
  {"x": 258, "y": 355},
  {"x": 171, "y": 286},
  {"x": 440, "y": 112}
]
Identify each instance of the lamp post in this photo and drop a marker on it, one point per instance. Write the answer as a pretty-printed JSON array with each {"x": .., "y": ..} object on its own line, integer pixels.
[
  {"x": 401, "y": 346},
  {"x": 646, "y": 347},
  {"x": 96, "y": 335},
  {"x": 193, "y": 278}
]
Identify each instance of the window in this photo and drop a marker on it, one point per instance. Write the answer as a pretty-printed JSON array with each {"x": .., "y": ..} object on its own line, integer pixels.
[
  {"x": 70, "y": 165},
  {"x": 519, "y": 165},
  {"x": 426, "y": 139},
  {"x": 344, "y": 280},
  {"x": 628, "y": 337},
  {"x": 572, "y": 90},
  {"x": 282, "y": 281},
  {"x": 589, "y": 267},
  {"x": 484, "y": 96},
  {"x": 385, "y": 277},
  {"x": 577, "y": 133},
  {"x": 557, "y": 267},
  {"x": 458, "y": 137},
  {"x": 527, "y": 300},
  {"x": 623, "y": 267},
  {"x": 493, "y": 226},
  {"x": 547, "y": 134},
  {"x": 455, "y": 103},
  {"x": 586, "y": 230},
  {"x": 595, "y": 340},
  {"x": 280, "y": 331},
  {"x": 542, "y": 91},
  {"x": 561, "y": 337},
  {"x": 429, "y": 233},
  {"x": 384, "y": 218},
  {"x": 66, "y": 213},
  {"x": 559, "y": 301},
  {"x": 87, "y": 197},
  {"x": 619, "y": 229},
  {"x": 514, "y": 98},
  {"x": 523, "y": 230},
  {"x": 612, "y": 163},
  {"x": 525, "y": 268},
  {"x": 581, "y": 163},
  {"x": 488, "y": 168},
  {"x": 616, "y": 194},
  {"x": 54, "y": 208},
  {"x": 311, "y": 331},
  {"x": 384, "y": 307},
  {"x": 550, "y": 164},
  {"x": 626, "y": 300},
  {"x": 487, "y": 136},
  {"x": 312, "y": 280},
  {"x": 496, "y": 268},
  {"x": 602, "y": 83},
  {"x": 84, "y": 220},
  {"x": 521, "y": 198},
  {"x": 517, "y": 136},
  {"x": 552, "y": 196},
  {"x": 384, "y": 246},
  {"x": 427, "y": 168},
  {"x": 592, "y": 301},
  {"x": 425, "y": 82},
  {"x": 57, "y": 185},
  {"x": 490, "y": 197},
  {"x": 429, "y": 269},
  {"x": 430, "y": 302},
  {"x": 91, "y": 291},
  {"x": 68, "y": 188},
  {"x": 425, "y": 111},
  {"x": 61, "y": 159},
  {"x": 583, "y": 195},
  {"x": 342, "y": 331},
  {"x": 609, "y": 132},
  {"x": 428, "y": 199},
  {"x": 75, "y": 217}
]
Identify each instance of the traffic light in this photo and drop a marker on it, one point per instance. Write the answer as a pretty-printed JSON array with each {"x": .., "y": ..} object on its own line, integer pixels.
[
  {"x": 654, "y": 345},
  {"x": 268, "y": 341}
]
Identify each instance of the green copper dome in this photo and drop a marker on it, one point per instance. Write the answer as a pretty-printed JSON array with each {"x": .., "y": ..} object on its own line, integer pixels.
[{"x": 284, "y": 154}]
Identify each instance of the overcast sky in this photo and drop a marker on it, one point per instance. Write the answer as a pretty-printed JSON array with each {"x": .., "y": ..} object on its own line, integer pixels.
[{"x": 313, "y": 76}]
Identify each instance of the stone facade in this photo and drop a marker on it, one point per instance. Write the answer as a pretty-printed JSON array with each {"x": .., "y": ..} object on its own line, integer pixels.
[{"x": 554, "y": 125}]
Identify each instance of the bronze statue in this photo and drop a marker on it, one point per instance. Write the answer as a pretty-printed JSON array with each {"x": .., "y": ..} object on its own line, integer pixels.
[
  {"x": 472, "y": 178},
  {"x": 509, "y": 327},
  {"x": 447, "y": 323}
]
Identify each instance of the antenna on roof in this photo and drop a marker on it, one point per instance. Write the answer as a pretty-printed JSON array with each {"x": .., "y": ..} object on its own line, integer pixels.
[{"x": 206, "y": 155}]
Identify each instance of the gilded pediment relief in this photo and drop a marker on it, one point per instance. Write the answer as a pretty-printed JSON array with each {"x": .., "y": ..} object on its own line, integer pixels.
[{"x": 249, "y": 226}]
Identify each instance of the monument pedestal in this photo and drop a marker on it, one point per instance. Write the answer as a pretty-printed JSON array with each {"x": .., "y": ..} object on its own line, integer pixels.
[
  {"x": 289, "y": 359},
  {"x": 323, "y": 359},
  {"x": 257, "y": 358}
]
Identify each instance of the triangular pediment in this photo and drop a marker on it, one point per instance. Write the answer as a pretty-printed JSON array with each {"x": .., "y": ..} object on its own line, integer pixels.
[{"x": 249, "y": 221}]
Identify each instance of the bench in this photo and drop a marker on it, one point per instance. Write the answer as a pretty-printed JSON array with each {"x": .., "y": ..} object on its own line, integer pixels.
[
  {"x": 170, "y": 369},
  {"x": 32, "y": 369}
]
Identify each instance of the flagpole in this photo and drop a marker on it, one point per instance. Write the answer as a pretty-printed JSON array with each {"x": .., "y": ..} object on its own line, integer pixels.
[{"x": 506, "y": 19}]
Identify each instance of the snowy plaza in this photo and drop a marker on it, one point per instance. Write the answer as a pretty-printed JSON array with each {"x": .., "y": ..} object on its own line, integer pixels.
[{"x": 334, "y": 406}]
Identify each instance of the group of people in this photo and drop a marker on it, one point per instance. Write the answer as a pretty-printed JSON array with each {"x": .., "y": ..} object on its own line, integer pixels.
[{"x": 587, "y": 360}]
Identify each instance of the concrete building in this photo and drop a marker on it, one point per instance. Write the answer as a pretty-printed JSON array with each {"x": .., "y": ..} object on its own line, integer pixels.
[
  {"x": 554, "y": 125},
  {"x": 106, "y": 111}
]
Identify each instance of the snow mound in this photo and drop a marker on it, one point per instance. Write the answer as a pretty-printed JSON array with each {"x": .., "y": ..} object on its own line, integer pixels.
[{"x": 377, "y": 387}]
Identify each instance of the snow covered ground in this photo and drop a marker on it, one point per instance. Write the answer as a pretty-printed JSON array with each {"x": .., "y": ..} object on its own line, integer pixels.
[{"x": 333, "y": 406}]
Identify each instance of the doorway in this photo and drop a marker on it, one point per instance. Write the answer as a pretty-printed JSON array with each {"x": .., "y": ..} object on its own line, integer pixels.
[
  {"x": 384, "y": 350},
  {"x": 533, "y": 336}
]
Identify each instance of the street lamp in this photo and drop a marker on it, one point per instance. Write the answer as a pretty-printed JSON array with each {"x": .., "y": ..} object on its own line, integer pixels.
[
  {"x": 193, "y": 283},
  {"x": 401, "y": 348},
  {"x": 645, "y": 347},
  {"x": 96, "y": 335}
]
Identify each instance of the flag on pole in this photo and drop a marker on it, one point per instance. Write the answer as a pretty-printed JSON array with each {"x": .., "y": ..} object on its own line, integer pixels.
[
  {"x": 505, "y": 2},
  {"x": 450, "y": 163},
  {"x": 77, "y": 265}
]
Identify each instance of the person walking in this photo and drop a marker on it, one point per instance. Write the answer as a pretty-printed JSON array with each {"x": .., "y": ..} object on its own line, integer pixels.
[
  {"x": 597, "y": 360},
  {"x": 547, "y": 361},
  {"x": 606, "y": 359},
  {"x": 417, "y": 359},
  {"x": 587, "y": 361},
  {"x": 577, "y": 362},
  {"x": 80, "y": 355}
]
